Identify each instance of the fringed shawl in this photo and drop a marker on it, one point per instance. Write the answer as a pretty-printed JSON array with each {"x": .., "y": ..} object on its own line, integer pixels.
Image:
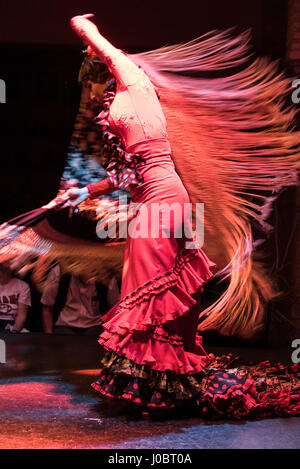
[{"x": 235, "y": 148}]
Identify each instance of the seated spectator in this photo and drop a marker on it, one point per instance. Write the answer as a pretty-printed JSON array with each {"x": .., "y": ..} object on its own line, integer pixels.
[
  {"x": 73, "y": 306},
  {"x": 15, "y": 299}
]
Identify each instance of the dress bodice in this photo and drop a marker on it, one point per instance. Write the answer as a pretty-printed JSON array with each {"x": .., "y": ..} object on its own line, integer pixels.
[{"x": 135, "y": 113}]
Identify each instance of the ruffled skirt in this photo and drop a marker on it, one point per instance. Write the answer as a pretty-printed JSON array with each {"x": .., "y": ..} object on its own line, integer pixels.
[{"x": 153, "y": 355}]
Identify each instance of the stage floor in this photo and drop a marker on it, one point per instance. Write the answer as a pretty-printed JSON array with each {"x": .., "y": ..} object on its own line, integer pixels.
[{"x": 46, "y": 401}]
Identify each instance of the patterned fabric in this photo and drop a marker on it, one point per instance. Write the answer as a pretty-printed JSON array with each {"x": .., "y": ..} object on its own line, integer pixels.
[
  {"x": 227, "y": 388},
  {"x": 121, "y": 166},
  {"x": 80, "y": 169}
]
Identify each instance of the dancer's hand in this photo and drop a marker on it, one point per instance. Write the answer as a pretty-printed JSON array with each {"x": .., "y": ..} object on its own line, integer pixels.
[
  {"x": 76, "y": 196},
  {"x": 83, "y": 26}
]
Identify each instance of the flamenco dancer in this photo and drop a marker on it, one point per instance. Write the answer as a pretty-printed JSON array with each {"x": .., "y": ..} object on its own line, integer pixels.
[
  {"x": 153, "y": 356},
  {"x": 171, "y": 139}
]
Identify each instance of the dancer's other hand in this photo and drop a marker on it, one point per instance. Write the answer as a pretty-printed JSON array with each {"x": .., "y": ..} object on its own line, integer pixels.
[
  {"x": 76, "y": 196},
  {"x": 82, "y": 25}
]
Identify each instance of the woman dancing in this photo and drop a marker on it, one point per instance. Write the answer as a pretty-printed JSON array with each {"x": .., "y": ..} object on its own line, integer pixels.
[{"x": 153, "y": 355}]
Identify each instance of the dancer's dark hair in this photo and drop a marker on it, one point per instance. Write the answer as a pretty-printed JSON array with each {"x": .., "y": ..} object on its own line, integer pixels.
[{"x": 94, "y": 70}]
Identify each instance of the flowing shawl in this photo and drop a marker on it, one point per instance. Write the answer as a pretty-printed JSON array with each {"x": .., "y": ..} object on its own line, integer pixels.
[{"x": 235, "y": 148}]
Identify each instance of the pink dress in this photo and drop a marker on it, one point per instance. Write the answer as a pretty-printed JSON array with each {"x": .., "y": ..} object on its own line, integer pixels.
[{"x": 152, "y": 329}]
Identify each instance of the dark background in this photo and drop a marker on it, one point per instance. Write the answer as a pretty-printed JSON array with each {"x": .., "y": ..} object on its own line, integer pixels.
[{"x": 40, "y": 59}]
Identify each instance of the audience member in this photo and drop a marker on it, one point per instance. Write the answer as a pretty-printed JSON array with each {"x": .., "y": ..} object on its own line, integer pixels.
[
  {"x": 73, "y": 306},
  {"x": 15, "y": 298}
]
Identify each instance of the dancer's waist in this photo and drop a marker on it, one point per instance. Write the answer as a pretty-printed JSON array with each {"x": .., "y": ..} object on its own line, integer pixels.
[
  {"x": 152, "y": 148},
  {"x": 160, "y": 182}
]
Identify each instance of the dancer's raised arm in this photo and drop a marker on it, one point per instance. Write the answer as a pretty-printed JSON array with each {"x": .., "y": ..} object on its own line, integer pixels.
[{"x": 124, "y": 70}]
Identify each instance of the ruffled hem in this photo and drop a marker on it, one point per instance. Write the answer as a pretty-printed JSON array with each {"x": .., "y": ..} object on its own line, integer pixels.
[
  {"x": 157, "y": 350},
  {"x": 163, "y": 299},
  {"x": 245, "y": 391}
]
